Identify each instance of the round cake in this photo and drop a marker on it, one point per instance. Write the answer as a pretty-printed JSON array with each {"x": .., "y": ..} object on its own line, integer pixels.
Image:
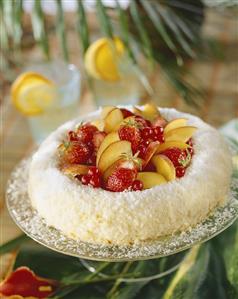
[{"x": 164, "y": 198}]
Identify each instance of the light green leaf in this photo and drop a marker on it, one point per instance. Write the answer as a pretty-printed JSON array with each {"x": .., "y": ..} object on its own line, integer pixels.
[
  {"x": 60, "y": 29},
  {"x": 147, "y": 47},
  {"x": 82, "y": 27}
]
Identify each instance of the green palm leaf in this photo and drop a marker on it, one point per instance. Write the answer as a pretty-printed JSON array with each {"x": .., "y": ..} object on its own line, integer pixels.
[{"x": 60, "y": 27}]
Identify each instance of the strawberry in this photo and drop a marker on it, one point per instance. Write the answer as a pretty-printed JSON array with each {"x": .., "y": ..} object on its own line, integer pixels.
[
  {"x": 142, "y": 122},
  {"x": 177, "y": 156},
  {"x": 130, "y": 133},
  {"x": 76, "y": 152},
  {"x": 121, "y": 179},
  {"x": 98, "y": 138},
  {"x": 126, "y": 113},
  {"x": 85, "y": 132}
]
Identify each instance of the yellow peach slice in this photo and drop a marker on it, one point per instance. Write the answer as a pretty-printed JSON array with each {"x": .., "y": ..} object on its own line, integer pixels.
[
  {"x": 75, "y": 169},
  {"x": 112, "y": 120},
  {"x": 169, "y": 144},
  {"x": 137, "y": 111},
  {"x": 110, "y": 138},
  {"x": 175, "y": 123},
  {"x": 150, "y": 179},
  {"x": 106, "y": 110},
  {"x": 150, "y": 111},
  {"x": 113, "y": 153},
  {"x": 99, "y": 124},
  {"x": 164, "y": 166},
  {"x": 180, "y": 134}
]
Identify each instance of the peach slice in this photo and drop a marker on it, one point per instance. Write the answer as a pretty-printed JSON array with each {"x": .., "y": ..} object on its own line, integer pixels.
[
  {"x": 169, "y": 144},
  {"x": 137, "y": 111},
  {"x": 113, "y": 153},
  {"x": 159, "y": 121},
  {"x": 164, "y": 166},
  {"x": 99, "y": 124},
  {"x": 150, "y": 111},
  {"x": 75, "y": 169},
  {"x": 150, "y": 151},
  {"x": 110, "y": 138},
  {"x": 180, "y": 134},
  {"x": 105, "y": 111},
  {"x": 150, "y": 179},
  {"x": 112, "y": 120},
  {"x": 175, "y": 123}
]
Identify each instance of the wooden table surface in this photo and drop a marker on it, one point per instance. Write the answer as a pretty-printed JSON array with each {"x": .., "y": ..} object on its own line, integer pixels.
[{"x": 219, "y": 79}]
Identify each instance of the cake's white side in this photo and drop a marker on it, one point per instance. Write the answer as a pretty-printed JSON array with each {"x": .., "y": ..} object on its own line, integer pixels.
[{"x": 100, "y": 216}]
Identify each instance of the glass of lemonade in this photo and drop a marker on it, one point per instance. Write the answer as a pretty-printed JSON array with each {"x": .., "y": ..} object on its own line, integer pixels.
[
  {"x": 66, "y": 78},
  {"x": 127, "y": 90}
]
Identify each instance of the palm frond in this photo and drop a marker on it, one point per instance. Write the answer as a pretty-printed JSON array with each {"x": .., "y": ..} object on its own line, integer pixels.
[
  {"x": 82, "y": 26},
  {"x": 60, "y": 26},
  {"x": 104, "y": 20},
  {"x": 146, "y": 43},
  {"x": 38, "y": 26}
]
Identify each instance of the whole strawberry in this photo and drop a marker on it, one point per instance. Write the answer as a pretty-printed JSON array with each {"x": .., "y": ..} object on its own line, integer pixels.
[
  {"x": 131, "y": 134},
  {"x": 85, "y": 132},
  {"x": 126, "y": 113},
  {"x": 121, "y": 179},
  {"x": 76, "y": 152}
]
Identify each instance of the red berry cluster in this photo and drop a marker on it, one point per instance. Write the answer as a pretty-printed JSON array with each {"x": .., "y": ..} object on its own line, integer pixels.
[
  {"x": 141, "y": 133},
  {"x": 180, "y": 158},
  {"x": 92, "y": 178}
]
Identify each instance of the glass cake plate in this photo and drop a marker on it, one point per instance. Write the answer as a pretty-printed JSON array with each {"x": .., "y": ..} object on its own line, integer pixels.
[{"x": 34, "y": 226}]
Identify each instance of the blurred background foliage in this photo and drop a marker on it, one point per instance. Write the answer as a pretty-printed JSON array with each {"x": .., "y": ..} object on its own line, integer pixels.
[{"x": 164, "y": 33}]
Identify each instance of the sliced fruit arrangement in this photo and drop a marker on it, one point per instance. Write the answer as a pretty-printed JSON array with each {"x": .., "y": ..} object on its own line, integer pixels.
[{"x": 128, "y": 150}]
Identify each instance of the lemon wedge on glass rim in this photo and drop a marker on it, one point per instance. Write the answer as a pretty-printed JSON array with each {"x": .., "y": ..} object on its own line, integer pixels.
[
  {"x": 33, "y": 93},
  {"x": 102, "y": 58}
]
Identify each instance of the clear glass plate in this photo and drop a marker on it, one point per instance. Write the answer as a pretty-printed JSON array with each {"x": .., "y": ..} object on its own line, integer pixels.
[{"x": 34, "y": 226}]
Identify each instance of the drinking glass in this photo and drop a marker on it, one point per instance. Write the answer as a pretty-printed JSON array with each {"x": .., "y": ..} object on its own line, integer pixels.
[{"x": 66, "y": 103}]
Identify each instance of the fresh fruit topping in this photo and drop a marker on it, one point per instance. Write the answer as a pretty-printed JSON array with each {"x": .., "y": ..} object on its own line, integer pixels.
[
  {"x": 164, "y": 166},
  {"x": 85, "y": 132},
  {"x": 130, "y": 152},
  {"x": 132, "y": 134},
  {"x": 73, "y": 136},
  {"x": 159, "y": 122},
  {"x": 121, "y": 179},
  {"x": 105, "y": 111},
  {"x": 137, "y": 185},
  {"x": 110, "y": 138},
  {"x": 112, "y": 120},
  {"x": 175, "y": 123},
  {"x": 92, "y": 177},
  {"x": 76, "y": 152},
  {"x": 182, "y": 134},
  {"x": 180, "y": 171},
  {"x": 98, "y": 138},
  {"x": 75, "y": 169},
  {"x": 169, "y": 144},
  {"x": 150, "y": 111},
  {"x": 113, "y": 153},
  {"x": 150, "y": 179},
  {"x": 178, "y": 157},
  {"x": 126, "y": 113},
  {"x": 99, "y": 124},
  {"x": 149, "y": 152}
]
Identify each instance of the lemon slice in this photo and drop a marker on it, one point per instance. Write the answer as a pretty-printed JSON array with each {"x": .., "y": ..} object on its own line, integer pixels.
[
  {"x": 32, "y": 93},
  {"x": 102, "y": 57}
]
